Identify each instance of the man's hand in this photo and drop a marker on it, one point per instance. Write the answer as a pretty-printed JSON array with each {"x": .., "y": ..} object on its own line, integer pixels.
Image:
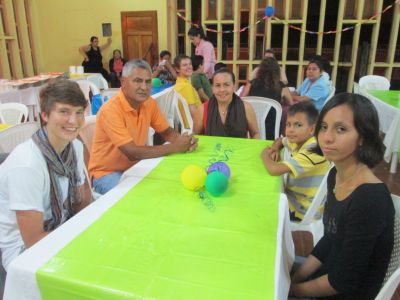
[
  {"x": 193, "y": 142},
  {"x": 184, "y": 143}
]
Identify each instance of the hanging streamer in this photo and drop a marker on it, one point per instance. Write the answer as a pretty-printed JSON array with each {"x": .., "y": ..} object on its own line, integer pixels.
[{"x": 269, "y": 14}]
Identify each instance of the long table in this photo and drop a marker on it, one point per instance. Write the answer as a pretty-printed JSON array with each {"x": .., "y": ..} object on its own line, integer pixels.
[
  {"x": 387, "y": 104},
  {"x": 150, "y": 238}
]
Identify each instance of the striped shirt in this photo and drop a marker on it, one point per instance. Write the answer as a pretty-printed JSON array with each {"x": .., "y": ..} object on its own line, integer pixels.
[{"x": 307, "y": 171}]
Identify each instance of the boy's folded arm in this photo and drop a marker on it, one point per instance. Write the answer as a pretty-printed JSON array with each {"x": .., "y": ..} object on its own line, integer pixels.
[{"x": 273, "y": 168}]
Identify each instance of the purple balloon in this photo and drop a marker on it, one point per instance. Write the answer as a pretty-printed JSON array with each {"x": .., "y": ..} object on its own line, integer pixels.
[
  {"x": 221, "y": 167},
  {"x": 269, "y": 11}
]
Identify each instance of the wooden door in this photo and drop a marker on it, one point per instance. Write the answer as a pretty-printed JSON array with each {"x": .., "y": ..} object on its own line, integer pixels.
[{"x": 140, "y": 36}]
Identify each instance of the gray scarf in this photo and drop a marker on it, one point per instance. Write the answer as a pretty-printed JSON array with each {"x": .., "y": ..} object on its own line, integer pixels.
[{"x": 62, "y": 165}]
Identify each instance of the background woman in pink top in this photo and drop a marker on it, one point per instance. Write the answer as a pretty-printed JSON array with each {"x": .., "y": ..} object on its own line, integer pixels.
[
  {"x": 203, "y": 48},
  {"x": 115, "y": 64}
]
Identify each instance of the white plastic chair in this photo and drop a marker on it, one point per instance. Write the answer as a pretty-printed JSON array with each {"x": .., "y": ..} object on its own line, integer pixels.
[
  {"x": 87, "y": 87},
  {"x": 392, "y": 277},
  {"x": 86, "y": 135},
  {"x": 356, "y": 88},
  {"x": 374, "y": 82},
  {"x": 332, "y": 91},
  {"x": 240, "y": 90},
  {"x": 12, "y": 113},
  {"x": 109, "y": 93},
  {"x": 165, "y": 100},
  {"x": 186, "y": 111},
  {"x": 310, "y": 223},
  {"x": 15, "y": 135},
  {"x": 262, "y": 107}
]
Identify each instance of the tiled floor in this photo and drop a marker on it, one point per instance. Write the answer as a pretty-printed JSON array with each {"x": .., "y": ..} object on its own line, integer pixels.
[{"x": 303, "y": 242}]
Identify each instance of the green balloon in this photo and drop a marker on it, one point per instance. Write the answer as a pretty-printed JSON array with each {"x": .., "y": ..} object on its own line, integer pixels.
[
  {"x": 216, "y": 183},
  {"x": 156, "y": 82}
]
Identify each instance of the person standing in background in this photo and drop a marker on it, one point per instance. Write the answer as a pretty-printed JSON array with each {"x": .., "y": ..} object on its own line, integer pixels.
[
  {"x": 93, "y": 60},
  {"x": 204, "y": 48}
]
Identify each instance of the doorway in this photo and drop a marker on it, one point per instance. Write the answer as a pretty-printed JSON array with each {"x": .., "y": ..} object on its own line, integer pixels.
[{"x": 140, "y": 35}]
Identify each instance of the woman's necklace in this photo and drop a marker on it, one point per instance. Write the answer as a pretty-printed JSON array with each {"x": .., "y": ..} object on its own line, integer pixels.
[{"x": 347, "y": 181}]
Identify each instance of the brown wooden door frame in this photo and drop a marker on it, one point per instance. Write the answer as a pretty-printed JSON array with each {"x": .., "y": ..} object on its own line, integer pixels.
[{"x": 152, "y": 14}]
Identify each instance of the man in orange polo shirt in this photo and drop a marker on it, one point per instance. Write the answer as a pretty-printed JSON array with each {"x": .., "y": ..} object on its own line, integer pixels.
[{"x": 122, "y": 126}]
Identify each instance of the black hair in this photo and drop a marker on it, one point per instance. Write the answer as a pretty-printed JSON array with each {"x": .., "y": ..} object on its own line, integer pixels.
[
  {"x": 164, "y": 53},
  {"x": 326, "y": 66},
  {"x": 224, "y": 71},
  {"x": 195, "y": 31},
  {"x": 178, "y": 59},
  {"x": 115, "y": 50},
  {"x": 270, "y": 50},
  {"x": 318, "y": 63},
  {"x": 197, "y": 61},
  {"x": 308, "y": 108},
  {"x": 219, "y": 65},
  {"x": 93, "y": 38},
  {"x": 366, "y": 122}
]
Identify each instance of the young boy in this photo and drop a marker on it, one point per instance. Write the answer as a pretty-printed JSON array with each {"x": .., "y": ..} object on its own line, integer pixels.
[
  {"x": 304, "y": 167},
  {"x": 42, "y": 181},
  {"x": 199, "y": 79}
]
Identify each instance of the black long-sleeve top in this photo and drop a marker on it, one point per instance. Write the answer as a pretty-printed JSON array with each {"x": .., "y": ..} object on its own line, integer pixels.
[{"x": 358, "y": 240}]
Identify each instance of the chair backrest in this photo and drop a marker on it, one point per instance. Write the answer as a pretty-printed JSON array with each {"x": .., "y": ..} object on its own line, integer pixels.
[
  {"x": 332, "y": 91},
  {"x": 12, "y": 113},
  {"x": 165, "y": 101},
  {"x": 262, "y": 107},
  {"x": 240, "y": 90},
  {"x": 87, "y": 87},
  {"x": 374, "y": 82},
  {"x": 15, "y": 135},
  {"x": 356, "y": 88},
  {"x": 87, "y": 131},
  {"x": 319, "y": 199},
  {"x": 183, "y": 113},
  {"x": 392, "y": 277},
  {"x": 108, "y": 94}
]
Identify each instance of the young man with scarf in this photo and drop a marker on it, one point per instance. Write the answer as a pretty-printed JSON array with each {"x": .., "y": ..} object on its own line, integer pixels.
[{"x": 42, "y": 182}]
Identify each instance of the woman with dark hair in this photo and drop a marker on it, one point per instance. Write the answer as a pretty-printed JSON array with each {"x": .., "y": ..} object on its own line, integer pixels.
[
  {"x": 93, "y": 60},
  {"x": 115, "y": 65},
  {"x": 351, "y": 259},
  {"x": 225, "y": 114},
  {"x": 203, "y": 48},
  {"x": 315, "y": 87},
  {"x": 267, "y": 83}
]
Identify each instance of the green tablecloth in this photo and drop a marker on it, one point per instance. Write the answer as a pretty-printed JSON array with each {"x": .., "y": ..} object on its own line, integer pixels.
[
  {"x": 390, "y": 97},
  {"x": 161, "y": 241}
]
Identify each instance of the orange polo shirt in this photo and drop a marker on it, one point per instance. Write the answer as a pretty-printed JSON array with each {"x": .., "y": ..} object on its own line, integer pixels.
[{"x": 117, "y": 124}]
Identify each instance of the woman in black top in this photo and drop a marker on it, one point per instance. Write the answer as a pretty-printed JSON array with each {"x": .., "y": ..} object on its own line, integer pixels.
[
  {"x": 267, "y": 83},
  {"x": 351, "y": 259},
  {"x": 225, "y": 114},
  {"x": 93, "y": 60}
]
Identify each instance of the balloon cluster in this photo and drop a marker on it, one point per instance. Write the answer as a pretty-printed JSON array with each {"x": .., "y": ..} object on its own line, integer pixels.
[{"x": 215, "y": 180}]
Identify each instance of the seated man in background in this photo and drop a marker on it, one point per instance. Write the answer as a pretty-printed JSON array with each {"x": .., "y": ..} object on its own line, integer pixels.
[
  {"x": 164, "y": 70},
  {"x": 199, "y": 79},
  {"x": 42, "y": 181},
  {"x": 122, "y": 126}
]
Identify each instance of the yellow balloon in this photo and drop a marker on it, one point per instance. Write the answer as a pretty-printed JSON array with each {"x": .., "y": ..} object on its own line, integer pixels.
[{"x": 193, "y": 177}]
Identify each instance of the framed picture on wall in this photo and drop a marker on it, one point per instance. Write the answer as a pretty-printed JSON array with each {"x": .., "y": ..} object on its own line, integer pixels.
[{"x": 106, "y": 29}]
